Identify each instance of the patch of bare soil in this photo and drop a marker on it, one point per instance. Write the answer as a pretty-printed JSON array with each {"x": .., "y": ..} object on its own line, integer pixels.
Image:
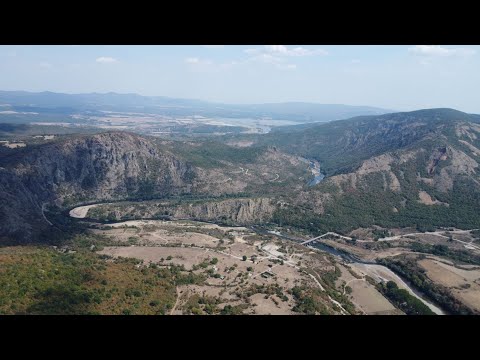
[
  {"x": 81, "y": 211},
  {"x": 463, "y": 284},
  {"x": 270, "y": 305},
  {"x": 426, "y": 199},
  {"x": 364, "y": 295},
  {"x": 259, "y": 284},
  {"x": 240, "y": 143}
]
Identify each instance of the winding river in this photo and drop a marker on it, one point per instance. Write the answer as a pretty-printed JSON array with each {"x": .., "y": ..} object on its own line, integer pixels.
[{"x": 314, "y": 166}]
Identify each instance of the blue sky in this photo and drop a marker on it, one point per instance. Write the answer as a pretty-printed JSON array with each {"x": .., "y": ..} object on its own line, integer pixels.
[{"x": 394, "y": 77}]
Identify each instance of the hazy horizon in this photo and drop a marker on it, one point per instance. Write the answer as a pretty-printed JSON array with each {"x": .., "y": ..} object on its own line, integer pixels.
[{"x": 395, "y": 77}]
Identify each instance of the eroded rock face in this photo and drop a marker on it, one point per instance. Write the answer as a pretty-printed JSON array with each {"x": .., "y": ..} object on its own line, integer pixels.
[
  {"x": 378, "y": 164},
  {"x": 236, "y": 211},
  {"x": 240, "y": 211},
  {"x": 103, "y": 166},
  {"x": 81, "y": 169},
  {"x": 460, "y": 165},
  {"x": 443, "y": 166}
]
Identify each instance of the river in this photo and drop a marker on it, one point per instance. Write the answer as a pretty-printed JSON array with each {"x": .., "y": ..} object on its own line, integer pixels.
[
  {"x": 314, "y": 166},
  {"x": 374, "y": 270},
  {"x": 377, "y": 271}
]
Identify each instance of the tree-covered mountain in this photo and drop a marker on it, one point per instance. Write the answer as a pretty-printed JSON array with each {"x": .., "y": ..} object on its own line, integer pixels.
[
  {"x": 405, "y": 169},
  {"x": 342, "y": 145}
]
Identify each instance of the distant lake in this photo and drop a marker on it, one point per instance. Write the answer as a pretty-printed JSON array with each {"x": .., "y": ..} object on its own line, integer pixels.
[{"x": 264, "y": 124}]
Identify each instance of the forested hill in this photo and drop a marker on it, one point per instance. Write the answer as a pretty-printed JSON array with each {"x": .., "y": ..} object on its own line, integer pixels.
[
  {"x": 405, "y": 169},
  {"x": 342, "y": 145}
]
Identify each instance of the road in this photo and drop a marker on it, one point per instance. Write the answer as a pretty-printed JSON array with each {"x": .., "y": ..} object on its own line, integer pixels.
[
  {"x": 342, "y": 310},
  {"x": 176, "y": 301},
  {"x": 276, "y": 177},
  {"x": 43, "y": 214},
  {"x": 439, "y": 233}
]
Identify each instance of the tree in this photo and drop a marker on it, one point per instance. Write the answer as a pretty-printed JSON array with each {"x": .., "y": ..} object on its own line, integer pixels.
[
  {"x": 214, "y": 261},
  {"x": 244, "y": 257},
  {"x": 391, "y": 285}
]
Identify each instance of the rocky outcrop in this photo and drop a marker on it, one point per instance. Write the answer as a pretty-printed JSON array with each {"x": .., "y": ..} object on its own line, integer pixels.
[
  {"x": 103, "y": 166},
  {"x": 84, "y": 169},
  {"x": 239, "y": 211},
  {"x": 378, "y": 164},
  {"x": 443, "y": 166}
]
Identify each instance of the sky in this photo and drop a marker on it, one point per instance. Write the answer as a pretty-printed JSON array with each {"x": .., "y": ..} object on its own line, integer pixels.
[{"x": 395, "y": 77}]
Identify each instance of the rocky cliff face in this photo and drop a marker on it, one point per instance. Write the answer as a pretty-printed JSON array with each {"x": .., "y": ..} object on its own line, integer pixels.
[
  {"x": 240, "y": 211},
  {"x": 81, "y": 169},
  {"x": 103, "y": 166},
  {"x": 236, "y": 211}
]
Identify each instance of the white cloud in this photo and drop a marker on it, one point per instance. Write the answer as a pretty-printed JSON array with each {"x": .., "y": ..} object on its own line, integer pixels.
[
  {"x": 228, "y": 65},
  {"x": 45, "y": 65},
  {"x": 286, "y": 66},
  {"x": 213, "y": 46},
  {"x": 437, "y": 50},
  {"x": 277, "y": 55},
  {"x": 277, "y": 61},
  {"x": 106, "y": 60},
  {"x": 297, "y": 51},
  {"x": 282, "y": 49},
  {"x": 192, "y": 60},
  {"x": 268, "y": 58},
  {"x": 251, "y": 51},
  {"x": 197, "y": 61}
]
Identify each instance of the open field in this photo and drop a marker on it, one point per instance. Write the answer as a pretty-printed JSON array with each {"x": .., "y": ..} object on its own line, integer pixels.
[
  {"x": 252, "y": 274},
  {"x": 239, "y": 265},
  {"x": 364, "y": 295},
  {"x": 463, "y": 284},
  {"x": 383, "y": 274}
]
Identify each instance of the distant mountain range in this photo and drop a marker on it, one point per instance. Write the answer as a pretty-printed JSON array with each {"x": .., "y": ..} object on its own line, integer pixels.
[{"x": 67, "y": 104}]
